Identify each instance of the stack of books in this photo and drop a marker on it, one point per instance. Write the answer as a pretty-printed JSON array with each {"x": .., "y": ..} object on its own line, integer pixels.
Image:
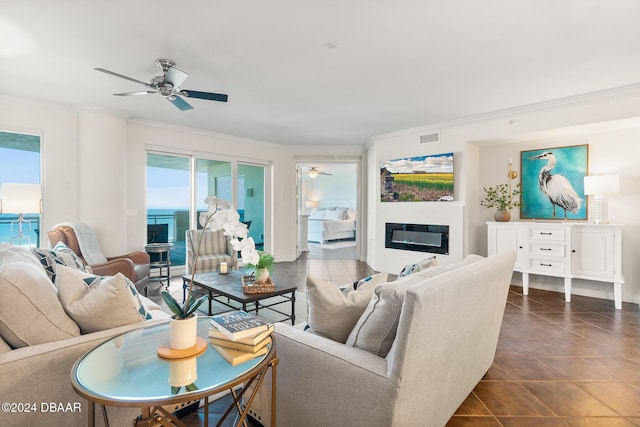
[{"x": 239, "y": 336}]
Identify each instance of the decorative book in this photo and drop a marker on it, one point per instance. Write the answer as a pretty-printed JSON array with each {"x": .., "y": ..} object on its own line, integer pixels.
[
  {"x": 235, "y": 357},
  {"x": 248, "y": 341},
  {"x": 238, "y": 324},
  {"x": 236, "y": 345}
]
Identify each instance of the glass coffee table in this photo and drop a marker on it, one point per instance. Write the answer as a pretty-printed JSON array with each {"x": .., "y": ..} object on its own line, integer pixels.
[{"x": 126, "y": 371}]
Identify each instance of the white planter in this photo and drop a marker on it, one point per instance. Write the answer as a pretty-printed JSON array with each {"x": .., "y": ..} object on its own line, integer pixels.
[
  {"x": 262, "y": 275},
  {"x": 183, "y": 332}
]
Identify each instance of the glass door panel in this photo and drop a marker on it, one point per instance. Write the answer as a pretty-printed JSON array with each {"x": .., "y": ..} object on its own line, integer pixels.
[
  {"x": 19, "y": 164},
  {"x": 250, "y": 200},
  {"x": 213, "y": 178},
  {"x": 168, "y": 201}
]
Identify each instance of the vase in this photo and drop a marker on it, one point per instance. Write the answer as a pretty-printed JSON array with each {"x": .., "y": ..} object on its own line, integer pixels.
[
  {"x": 183, "y": 332},
  {"x": 502, "y": 215},
  {"x": 262, "y": 275}
]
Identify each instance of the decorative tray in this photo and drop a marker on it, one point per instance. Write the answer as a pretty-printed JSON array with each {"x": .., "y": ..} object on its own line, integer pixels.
[{"x": 251, "y": 286}]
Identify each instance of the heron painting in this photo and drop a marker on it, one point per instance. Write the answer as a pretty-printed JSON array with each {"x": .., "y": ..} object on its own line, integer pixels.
[{"x": 553, "y": 183}]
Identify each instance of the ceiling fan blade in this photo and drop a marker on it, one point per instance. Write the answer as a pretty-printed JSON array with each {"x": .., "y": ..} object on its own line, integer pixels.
[
  {"x": 205, "y": 95},
  {"x": 324, "y": 173},
  {"x": 175, "y": 77},
  {"x": 143, "y": 92},
  {"x": 122, "y": 77},
  {"x": 180, "y": 103}
]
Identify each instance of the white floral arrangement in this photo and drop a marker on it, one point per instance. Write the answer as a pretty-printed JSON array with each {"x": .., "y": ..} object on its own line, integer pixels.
[{"x": 221, "y": 216}]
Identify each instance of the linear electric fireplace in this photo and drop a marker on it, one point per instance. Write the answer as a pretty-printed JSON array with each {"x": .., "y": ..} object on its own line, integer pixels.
[{"x": 417, "y": 237}]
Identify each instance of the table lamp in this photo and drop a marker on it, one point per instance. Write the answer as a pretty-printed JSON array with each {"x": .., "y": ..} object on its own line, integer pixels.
[
  {"x": 20, "y": 199},
  {"x": 311, "y": 205},
  {"x": 600, "y": 186}
]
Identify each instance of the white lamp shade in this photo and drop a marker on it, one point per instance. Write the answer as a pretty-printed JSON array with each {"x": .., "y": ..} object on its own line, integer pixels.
[
  {"x": 312, "y": 204},
  {"x": 601, "y": 184},
  {"x": 19, "y": 198}
]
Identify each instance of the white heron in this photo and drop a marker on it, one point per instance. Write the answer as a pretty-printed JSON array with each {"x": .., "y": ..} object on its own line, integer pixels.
[{"x": 556, "y": 187}]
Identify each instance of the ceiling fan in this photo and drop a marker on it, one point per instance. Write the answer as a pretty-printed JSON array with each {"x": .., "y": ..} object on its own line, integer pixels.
[
  {"x": 168, "y": 85},
  {"x": 314, "y": 172}
]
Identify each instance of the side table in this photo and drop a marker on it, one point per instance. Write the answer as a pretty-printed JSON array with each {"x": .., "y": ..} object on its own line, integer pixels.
[
  {"x": 127, "y": 372},
  {"x": 164, "y": 261}
]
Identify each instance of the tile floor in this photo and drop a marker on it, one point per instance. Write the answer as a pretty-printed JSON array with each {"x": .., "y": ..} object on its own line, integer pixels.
[{"x": 557, "y": 364}]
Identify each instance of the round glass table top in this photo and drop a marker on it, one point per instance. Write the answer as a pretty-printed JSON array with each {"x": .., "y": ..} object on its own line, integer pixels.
[{"x": 128, "y": 369}]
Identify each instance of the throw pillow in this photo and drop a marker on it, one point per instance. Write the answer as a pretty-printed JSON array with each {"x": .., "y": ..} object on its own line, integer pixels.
[
  {"x": 418, "y": 266},
  {"x": 337, "y": 214},
  {"x": 59, "y": 255},
  {"x": 98, "y": 303},
  {"x": 376, "y": 329},
  {"x": 332, "y": 313},
  {"x": 317, "y": 214},
  {"x": 30, "y": 311}
]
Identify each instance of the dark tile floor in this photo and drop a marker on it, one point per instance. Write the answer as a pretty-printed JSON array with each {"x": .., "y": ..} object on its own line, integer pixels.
[{"x": 557, "y": 364}]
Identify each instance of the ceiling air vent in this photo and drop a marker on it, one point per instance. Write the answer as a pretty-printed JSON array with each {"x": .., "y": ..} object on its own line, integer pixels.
[{"x": 432, "y": 137}]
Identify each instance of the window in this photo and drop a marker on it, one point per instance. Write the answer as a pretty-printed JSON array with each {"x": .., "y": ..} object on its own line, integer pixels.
[{"x": 19, "y": 163}]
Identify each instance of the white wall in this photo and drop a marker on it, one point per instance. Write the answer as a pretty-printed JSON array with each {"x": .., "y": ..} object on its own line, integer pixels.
[{"x": 483, "y": 146}]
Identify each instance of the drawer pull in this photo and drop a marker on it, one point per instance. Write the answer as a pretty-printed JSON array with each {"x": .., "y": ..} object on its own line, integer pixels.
[
  {"x": 545, "y": 234},
  {"x": 545, "y": 249},
  {"x": 545, "y": 265}
]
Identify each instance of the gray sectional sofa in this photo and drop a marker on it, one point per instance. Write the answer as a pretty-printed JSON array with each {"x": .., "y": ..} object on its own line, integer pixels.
[{"x": 440, "y": 327}]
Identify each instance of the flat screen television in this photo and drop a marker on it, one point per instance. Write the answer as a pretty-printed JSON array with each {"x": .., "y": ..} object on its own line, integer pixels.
[{"x": 417, "y": 179}]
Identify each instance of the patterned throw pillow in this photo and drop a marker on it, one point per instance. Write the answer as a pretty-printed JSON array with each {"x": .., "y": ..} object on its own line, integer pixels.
[
  {"x": 59, "y": 255},
  {"x": 97, "y": 303},
  {"x": 418, "y": 266}
]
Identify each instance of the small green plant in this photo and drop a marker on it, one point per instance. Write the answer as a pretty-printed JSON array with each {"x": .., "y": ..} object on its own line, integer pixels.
[
  {"x": 500, "y": 197},
  {"x": 265, "y": 261}
]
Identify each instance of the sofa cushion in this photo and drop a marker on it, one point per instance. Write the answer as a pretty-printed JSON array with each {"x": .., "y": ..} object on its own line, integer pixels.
[
  {"x": 4, "y": 347},
  {"x": 30, "y": 312},
  {"x": 418, "y": 266},
  {"x": 376, "y": 329},
  {"x": 97, "y": 303},
  {"x": 331, "y": 312}
]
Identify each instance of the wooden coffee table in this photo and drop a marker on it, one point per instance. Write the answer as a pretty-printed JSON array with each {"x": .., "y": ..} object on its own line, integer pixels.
[{"x": 224, "y": 288}]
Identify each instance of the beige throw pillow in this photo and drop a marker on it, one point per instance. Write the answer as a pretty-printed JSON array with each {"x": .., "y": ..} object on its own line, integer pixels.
[
  {"x": 376, "y": 329},
  {"x": 331, "y": 312},
  {"x": 30, "y": 312},
  {"x": 98, "y": 303}
]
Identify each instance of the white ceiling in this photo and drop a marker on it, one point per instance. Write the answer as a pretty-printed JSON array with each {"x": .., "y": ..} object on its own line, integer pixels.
[{"x": 398, "y": 64}]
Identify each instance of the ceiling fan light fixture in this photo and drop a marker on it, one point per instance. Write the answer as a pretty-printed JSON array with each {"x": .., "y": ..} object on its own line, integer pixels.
[{"x": 313, "y": 173}]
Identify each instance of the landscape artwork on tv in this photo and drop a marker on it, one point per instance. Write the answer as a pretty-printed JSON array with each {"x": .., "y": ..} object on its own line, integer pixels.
[{"x": 417, "y": 179}]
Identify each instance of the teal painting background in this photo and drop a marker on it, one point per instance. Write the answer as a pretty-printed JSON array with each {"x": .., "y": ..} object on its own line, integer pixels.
[{"x": 571, "y": 162}]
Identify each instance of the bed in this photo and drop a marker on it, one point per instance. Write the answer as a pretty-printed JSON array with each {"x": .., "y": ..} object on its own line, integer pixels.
[{"x": 333, "y": 223}]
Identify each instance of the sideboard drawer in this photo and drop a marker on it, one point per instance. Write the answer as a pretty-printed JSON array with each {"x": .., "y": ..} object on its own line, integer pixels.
[
  {"x": 546, "y": 266},
  {"x": 547, "y": 249},
  {"x": 542, "y": 233}
]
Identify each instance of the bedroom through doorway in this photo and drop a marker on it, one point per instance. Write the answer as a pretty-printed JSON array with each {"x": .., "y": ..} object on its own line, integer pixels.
[{"x": 328, "y": 195}]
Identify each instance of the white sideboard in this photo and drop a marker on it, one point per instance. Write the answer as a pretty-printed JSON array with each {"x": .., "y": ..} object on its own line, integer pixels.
[{"x": 562, "y": 249}]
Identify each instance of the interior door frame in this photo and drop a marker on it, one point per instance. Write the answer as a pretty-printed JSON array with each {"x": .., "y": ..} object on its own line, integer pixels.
[{"x": 361, "y": 226}]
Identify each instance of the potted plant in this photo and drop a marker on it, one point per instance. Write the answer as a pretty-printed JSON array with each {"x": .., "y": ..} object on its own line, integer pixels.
[
  {"x": 503, "y": 198},
  {"x": 183, "y": 324},
  {"x": 263, "y": 266}
]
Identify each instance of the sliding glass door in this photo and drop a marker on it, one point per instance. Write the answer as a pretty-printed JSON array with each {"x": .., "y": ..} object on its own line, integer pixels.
[{"x": 174, "y": 204}]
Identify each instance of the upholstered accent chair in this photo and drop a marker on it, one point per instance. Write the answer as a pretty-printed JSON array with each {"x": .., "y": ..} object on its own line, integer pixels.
[
  {"x": 214, "y": 249},
  {"x": 134, "y": 265}
]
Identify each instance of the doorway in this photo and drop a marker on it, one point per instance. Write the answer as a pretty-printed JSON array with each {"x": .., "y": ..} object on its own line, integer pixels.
[{"x": 328, "y": 210}]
